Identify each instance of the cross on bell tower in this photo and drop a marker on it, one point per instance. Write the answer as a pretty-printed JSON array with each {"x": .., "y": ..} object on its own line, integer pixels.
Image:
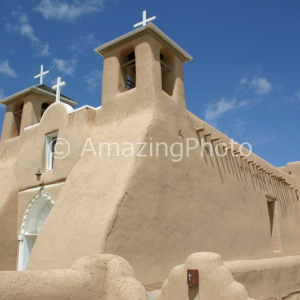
[
  {"x": 145, "y": 20},
  {"x": 57, "y": 87},
  {"x": 41, "y": 75}
]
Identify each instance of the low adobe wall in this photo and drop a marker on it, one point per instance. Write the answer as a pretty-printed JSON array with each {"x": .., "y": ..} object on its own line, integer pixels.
[
  {"x": 272, "y": 278},
  {"x": 215, "y": 281},
  {"x": 94, "y": 277}
]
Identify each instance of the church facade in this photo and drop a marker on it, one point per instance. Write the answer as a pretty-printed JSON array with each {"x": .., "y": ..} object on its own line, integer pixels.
[{"x": 140, "y": 177}]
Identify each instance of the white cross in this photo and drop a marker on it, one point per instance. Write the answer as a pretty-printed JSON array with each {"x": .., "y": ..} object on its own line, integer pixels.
[
  {"x": 57, "y": 87},
  {"x": 145, "y": 20},
  {"x": 41, "y": 74},
  {"x": 189, "y": 276}
]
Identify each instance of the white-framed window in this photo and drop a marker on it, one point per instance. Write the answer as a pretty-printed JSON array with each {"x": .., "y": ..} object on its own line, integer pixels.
[{"x": 50, "y": 149}]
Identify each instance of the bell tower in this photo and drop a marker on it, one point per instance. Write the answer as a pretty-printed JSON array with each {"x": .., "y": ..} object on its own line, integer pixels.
[
  {"x": 145, "y": 64},
  {"x": 26, "y": 108}
]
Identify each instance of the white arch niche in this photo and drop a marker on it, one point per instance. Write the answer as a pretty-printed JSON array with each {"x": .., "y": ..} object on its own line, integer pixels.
[{"x": 33, "y": 219}]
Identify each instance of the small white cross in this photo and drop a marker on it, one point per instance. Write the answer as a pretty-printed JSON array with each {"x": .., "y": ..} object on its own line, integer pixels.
[
  {"x": 145, "y": 20},
  {"x": 57, "y": 87},
  {"x": 41, "y": 74},
  {"x": 189, "y": 276}
]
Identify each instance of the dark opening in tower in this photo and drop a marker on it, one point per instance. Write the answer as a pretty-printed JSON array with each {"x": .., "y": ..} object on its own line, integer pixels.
[
  {"x": 166, "y": 75},
  {"x": 18, "y": 112},
  {"x": 130, "y": 71},
  {"x": 43, "y": 108}
]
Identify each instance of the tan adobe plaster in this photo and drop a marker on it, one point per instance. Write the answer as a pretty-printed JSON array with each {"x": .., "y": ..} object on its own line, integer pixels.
[{"x": 152, "y": 211}]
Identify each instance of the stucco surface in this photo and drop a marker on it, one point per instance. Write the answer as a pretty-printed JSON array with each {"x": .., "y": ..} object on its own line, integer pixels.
[
  {"x": 273, "y": 278},
  {"x": 293, "y": 297},
  {"x": 8, "y": 204},
  {"x": 215, "y": 281},
  {"x": 149, "y": 209},
  {"x": 100, "y": 277}
]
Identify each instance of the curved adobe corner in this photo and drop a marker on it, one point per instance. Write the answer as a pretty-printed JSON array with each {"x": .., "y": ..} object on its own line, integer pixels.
[
  {"x": 215, "y": 281},
  {"x": 95, "y": 277}
]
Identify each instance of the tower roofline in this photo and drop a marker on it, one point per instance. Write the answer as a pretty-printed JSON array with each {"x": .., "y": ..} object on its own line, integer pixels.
[
  {"x": 151, "y": 28},
  {"x": 39, "y": 89}
]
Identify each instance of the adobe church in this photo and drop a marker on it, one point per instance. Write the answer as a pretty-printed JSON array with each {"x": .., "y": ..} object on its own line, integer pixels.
[{"x": 80, "y": 225}]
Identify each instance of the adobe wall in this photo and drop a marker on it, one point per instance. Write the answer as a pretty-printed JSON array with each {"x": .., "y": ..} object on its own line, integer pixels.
[
  {"x": 85, "y": 212},
  {"x": 96, "y": 277},
  {"x": 150, "y": 210},
  {"x": 293, "y": 168},
  {"x": 215, "y": 281},
  {"x": 88, "y": 203},
  {"x": 273, "y": 278},
  {"x": 21, "y": 157},
  {"x": 9, "y": 153},
  {"x": 174, "y": 209}
]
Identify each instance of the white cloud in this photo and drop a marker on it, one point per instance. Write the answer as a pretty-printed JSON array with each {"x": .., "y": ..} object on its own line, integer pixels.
[
  {"x": 262, "y": 85},
  {"x": 250, "y": 87},
  {"x": 263, "y": 138},
  {"x": 27, "y": 30},
  {"x": 7, "y": 70},
  {"x": 68, "y": 10},
  {"x": 244, "y": 80},
  {"x": 93, "y": 80},
  {"x": 66, "y": 67},
  {"x": 294, "y": 98},
  {"x": 259, "y": 84},
  {"x": 244, "y": 103},
  {"x": 44, "y": 51},
  {"x": 84, "y": 41},
  {"x": 22, "y": 26},
  {"x": 239, "y": 126},
  {"x": 216, "y": 110},
  {"x": 1, "y": 96}
]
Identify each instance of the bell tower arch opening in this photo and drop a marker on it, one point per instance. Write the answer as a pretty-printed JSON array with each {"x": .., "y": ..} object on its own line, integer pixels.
[{"x": 129, "y": 71}]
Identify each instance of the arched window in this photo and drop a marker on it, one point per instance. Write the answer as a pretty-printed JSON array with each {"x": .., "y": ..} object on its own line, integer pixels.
[
  {"x": 43, "y": 108},
  {"x": 33, "y": 219}
]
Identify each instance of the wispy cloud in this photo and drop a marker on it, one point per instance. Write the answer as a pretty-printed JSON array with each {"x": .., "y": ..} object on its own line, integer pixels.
[
  {"x": 262, "y": 85},
  {"x": 44, "y": 51},
  {"x": 88, "y": 40},
  {"x": 250, "y": 90},
  {"x": 1, "y": 97},
  {"x": 7, "y": 70},
  {"x": 239, "y": 126},
  {"x": 294, "y": 98},
  {"x": 22, "y": 26},
  {"x": 93, "y": 80},
  {"x": 66, "y": 67},
  {"x": 217, "y": 109},
  {"x": 2, "y": 107},
  {"x": 259, "y": 84},
  {"x": 68, "y": 10},
  {"x": 263, "y": 138}
]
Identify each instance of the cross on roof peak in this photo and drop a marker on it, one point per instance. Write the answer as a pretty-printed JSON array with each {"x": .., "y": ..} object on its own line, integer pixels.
[
  {"x": 41, "y": 75},
  {"x": 57, "y": 87},
  {"x": 145, "y": 20}
]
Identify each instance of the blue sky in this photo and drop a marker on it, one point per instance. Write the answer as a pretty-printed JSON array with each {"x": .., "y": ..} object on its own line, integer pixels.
[{"x": 244, "y": 79}]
